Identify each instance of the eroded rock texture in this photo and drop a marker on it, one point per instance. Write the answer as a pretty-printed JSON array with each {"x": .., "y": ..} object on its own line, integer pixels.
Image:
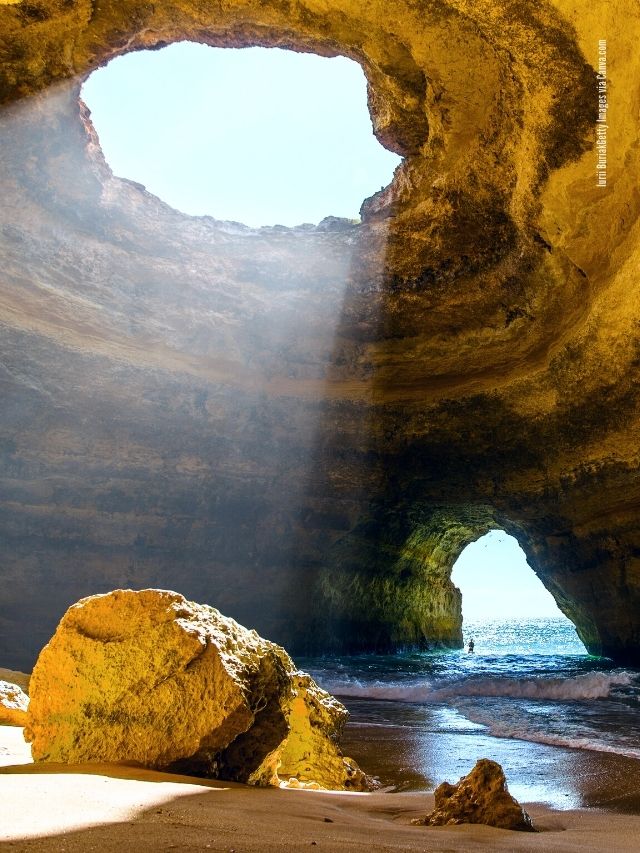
[
  {"x": 150, "y": 678},
  {"x": 479, "y": 797},
  {"x": 306, "y": 426}
]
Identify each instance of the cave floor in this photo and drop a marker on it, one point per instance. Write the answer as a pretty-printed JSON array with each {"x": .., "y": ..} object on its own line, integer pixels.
[{"x": 109, "y": 808}]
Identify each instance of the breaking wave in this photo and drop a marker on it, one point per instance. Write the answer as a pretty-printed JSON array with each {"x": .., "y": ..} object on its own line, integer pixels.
[
  {"x": 592, "y": 685},
  {"x": 524, "y": 728}
]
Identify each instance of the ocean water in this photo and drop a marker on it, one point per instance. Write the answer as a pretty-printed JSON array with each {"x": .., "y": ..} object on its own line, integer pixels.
[{"x": 530, "y": 697}]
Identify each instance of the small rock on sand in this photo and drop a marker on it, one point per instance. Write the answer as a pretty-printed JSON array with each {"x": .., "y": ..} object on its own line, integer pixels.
[{"x": 479, "y": 797}]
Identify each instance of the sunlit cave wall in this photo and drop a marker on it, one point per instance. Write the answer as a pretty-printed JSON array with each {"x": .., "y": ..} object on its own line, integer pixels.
[
  {"x": 162, "y": 381},
  {"x": 304, "y": 427}
]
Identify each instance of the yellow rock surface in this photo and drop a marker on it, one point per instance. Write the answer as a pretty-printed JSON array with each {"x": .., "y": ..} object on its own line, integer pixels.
[
  {"x": 150, "y": 678},
  {"x": 305, "y": 756},
  {"x": 481, "y": 796}
]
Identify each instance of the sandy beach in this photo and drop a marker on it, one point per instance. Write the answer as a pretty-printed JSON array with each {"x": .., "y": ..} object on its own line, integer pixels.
[
  {"x": 109, "y": 808},
  {"x": 417, "y": 759}
]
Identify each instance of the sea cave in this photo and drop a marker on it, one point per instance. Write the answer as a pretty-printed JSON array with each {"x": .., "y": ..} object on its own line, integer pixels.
[
  {"x": 241, "y": 455},
  {"x": 306, "y": 425}
]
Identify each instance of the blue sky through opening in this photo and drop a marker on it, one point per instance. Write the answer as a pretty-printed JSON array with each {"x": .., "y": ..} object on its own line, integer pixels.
[
  {"x": 497, "y": 582},
  {"x": 259, "y": 135}
]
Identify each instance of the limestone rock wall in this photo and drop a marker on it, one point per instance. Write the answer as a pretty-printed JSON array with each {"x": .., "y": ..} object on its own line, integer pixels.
[{"x": 305, "y": 426}]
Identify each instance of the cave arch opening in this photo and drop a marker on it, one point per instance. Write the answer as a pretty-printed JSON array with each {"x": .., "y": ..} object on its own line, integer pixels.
[
  {"x": 261, "y": 136},
  {"x": 505, "y": 606}
]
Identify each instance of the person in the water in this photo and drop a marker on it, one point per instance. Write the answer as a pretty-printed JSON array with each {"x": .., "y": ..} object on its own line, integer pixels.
[{"x": 471, "y": 646}]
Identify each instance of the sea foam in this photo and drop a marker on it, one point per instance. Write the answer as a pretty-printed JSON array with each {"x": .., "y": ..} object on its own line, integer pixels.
[
  {"x": 523, "y": 727},
  {"x": 582, "y": 687}
]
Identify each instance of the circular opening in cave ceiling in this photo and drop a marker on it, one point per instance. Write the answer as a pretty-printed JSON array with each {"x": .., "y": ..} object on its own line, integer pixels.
[{"x": 258, "y": 135}]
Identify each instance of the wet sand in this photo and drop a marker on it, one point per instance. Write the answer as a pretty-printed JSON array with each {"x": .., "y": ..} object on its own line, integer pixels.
[
  {"x": 111, "y": 809},
  {"x": 414, "y": 757}
]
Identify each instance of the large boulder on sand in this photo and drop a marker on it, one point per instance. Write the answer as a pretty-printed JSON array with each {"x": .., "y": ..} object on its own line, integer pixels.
[
  {"x": 13, "y": 704},
  {"x": 151, "y": 678},
  {"x": 479, "y": 797}
]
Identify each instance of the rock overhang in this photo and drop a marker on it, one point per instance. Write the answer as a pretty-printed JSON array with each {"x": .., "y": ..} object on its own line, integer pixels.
[{"x": 481, "y": 353}]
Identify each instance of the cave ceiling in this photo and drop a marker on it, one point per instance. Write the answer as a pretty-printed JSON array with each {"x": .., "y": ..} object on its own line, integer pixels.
[{"x": 305, "y": 426}]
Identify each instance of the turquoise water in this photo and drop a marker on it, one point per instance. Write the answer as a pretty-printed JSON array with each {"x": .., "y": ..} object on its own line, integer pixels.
[{"x": 529, "y": 694}]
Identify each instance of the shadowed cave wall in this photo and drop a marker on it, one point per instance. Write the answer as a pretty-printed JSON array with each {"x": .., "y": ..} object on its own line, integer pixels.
[{"x": 305, "y": 427}]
